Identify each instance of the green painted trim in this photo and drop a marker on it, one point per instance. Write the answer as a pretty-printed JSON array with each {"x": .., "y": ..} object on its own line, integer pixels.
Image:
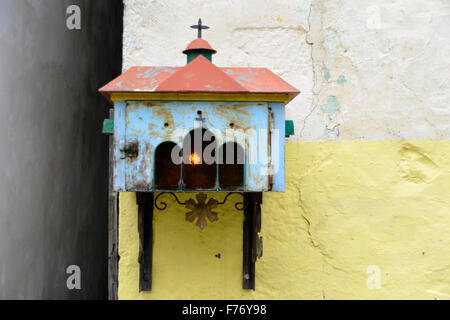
[
  {"x": 290, "y": 128},
  {"x": 108, "y": 127},
  {"x": 193, "y": 54}
]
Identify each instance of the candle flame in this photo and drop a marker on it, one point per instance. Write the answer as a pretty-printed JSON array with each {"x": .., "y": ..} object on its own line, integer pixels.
[{"x": 195, "y": 159}]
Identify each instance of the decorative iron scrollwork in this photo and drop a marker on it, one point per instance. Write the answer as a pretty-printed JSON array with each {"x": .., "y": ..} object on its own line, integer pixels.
[
  {"x": 200, "y": 210},
  {"x": 161, "y": 206},
  {"x": 238, "y": 205}
]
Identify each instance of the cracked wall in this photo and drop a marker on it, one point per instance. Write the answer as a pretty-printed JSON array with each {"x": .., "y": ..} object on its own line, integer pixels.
[
  {"x": 385, "y": 63},
  {"x": 374, "y": 77}
]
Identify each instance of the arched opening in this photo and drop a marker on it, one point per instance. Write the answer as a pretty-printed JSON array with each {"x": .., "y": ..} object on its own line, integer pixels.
[
  {"x": 167, "y": 166},
  {"x": 199, "y": 160},
  {"x": 231, "y": 167}
]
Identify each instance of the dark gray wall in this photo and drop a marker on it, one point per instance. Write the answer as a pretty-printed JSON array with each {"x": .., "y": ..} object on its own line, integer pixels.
[{"x": 53, "y": 157}]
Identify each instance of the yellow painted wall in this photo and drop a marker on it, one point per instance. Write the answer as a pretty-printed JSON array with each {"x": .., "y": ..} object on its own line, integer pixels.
[{"x": 348, "y": 206}]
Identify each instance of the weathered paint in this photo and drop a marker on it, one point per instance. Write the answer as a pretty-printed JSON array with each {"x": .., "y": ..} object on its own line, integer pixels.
[
  {"x": 278, "y": 147},
  {"x": 341, "y": 80},
  {"x": 199, "y": 76},
  {"x": 392, "y": 54},
  {"x": 151, "y": 123},
  {"x": 139, "y": 171},
  {"x": 199, "y": 47},
  {"x": 119, "y": 143},
  {"x": 331, "y": 107},
  {"x": 326, "y": 73},
  {"x": 343, "y": 212},
  {"x": 199, "y": 44}
]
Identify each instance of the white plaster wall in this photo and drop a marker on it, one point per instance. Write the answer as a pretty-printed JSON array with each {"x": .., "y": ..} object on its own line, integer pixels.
[{"x": 369, "y": 70}]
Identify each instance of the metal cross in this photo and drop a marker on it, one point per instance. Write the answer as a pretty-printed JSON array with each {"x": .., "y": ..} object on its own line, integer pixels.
[{"x": 200, "y": 27}]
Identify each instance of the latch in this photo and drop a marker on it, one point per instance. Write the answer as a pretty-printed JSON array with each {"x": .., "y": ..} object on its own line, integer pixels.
[{"x": 130, "y": 150}]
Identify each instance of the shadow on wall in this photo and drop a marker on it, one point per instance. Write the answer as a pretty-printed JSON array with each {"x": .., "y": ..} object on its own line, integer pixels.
[{"x": 53, "y": 191}]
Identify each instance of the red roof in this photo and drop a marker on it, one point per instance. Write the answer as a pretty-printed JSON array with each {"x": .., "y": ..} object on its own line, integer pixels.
[
  {"x": 199, "y": 43},
  {"x": 199, "y": 76}
]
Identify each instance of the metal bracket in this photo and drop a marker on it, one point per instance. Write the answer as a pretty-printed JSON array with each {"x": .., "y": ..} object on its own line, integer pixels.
[
  {"x": 253, "y": 243},
  {"x": 145, "y": 227},
  {"x": 201, "y": 210},
  {"x": 161, "y": 205}
]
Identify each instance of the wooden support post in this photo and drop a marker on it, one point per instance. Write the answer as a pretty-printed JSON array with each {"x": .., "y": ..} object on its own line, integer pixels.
[
  {"x": 145, "y": 226},
  {"x": 252, "y": 242},
  {"x": 113, "y": 226}
]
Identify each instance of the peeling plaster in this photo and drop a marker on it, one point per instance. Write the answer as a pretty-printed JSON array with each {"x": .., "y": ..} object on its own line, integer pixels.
[
  {"x": 382, "y": 68},
  {"x": 331, "y": 107},
  {"x": 343, "y": 42}
]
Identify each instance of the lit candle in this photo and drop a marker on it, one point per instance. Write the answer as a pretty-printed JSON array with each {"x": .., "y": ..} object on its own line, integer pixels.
[{"x": 195, "y": 159}]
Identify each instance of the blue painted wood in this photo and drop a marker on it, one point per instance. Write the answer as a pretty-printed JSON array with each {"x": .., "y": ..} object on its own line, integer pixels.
[
  {"x": 278, "y": 146},
  {"x": 119, "y": 142}
]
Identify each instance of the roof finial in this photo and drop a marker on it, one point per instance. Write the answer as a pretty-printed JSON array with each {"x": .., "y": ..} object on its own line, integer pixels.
[{"x": 200, "y": 27}]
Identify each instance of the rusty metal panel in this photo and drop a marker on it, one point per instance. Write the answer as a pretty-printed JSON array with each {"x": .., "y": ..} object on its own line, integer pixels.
[
  {"x": 200, "y": 76},
  {"x": 145, "y": 79},
  {"x": 257, "y": 177},
  {"x": 259, "y": 80},
  {"x": 151, "y": 123},
  {"x": 278, "y": 146},
  {"x": 139, "y": 170},
  {"x": 119, "y": 143}
]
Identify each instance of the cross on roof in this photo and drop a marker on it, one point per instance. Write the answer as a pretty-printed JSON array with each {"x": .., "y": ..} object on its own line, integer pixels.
[{"x": 200, "y": 27}]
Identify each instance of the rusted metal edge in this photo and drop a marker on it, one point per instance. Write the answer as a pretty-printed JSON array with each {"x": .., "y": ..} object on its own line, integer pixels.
[
  {"x": 270, "y": 164},
  {"x": 252, "y": 243}
]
